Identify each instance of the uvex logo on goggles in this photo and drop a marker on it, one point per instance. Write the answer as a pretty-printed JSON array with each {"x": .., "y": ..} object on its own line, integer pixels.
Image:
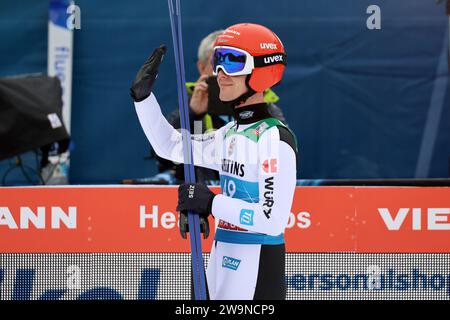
[
  {"x": 270, "y": 59},
  {"x": 236, "y": 62}
]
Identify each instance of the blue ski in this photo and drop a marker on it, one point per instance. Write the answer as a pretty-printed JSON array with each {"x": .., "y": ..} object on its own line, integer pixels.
[{"x": 198, "y": 271}]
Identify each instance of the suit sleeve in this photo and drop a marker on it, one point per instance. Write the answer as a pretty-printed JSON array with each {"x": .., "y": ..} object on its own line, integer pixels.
[
  {"x": 276, "y": 179},
  {"x": 167, "y": 141}
]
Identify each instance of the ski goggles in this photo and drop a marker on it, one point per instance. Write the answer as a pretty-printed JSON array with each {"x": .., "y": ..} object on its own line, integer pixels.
[
  {"x": 237, "y": 62},
  {"x": 233, "y": 61}
]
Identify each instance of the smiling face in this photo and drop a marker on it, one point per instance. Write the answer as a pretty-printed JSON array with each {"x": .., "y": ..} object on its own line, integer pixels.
[{"x": 230, "y": 87}]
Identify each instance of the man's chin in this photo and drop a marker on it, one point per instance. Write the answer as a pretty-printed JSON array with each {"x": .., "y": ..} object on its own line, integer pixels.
[{"x": 226, "y": 97}]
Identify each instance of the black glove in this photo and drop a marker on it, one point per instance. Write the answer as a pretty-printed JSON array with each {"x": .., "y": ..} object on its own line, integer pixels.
[
  {"x": 196, "y": 197},
  {"x": 184, "y": 225},
  {"x": 143, "y": 83}
]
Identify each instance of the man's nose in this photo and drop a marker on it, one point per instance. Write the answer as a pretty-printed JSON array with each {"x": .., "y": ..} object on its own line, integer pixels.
[{"x": 221, "y": 74}]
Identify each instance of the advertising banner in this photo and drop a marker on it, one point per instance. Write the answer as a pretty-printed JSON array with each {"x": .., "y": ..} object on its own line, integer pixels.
[{"x": 144, "y": 219}]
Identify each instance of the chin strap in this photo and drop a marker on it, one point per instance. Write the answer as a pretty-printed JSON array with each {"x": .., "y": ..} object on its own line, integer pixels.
[{"x": 243, "y": 97}]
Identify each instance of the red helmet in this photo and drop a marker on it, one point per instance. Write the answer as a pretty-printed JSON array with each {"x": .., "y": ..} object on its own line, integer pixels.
[{"x": 264, "y": 47}]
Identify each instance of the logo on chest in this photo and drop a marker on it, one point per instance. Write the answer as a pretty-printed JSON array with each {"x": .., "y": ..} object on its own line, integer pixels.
[
  {"x": 233, "y": 167},
  {"x": 231, "y": 146}
]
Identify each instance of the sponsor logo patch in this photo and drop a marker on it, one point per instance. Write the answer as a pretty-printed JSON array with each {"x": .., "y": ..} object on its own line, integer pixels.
[
  {"x": 270, "y": 165},
  {"x": 228, "y": 226},
  {"x": 259, "y": 129},
  {"x": 233, "y": 167},
  {"x": 268, "y": 197},
  {"x": 230, "y": 263},
  {"x": 273, "y": 59},
  {"x": 231, "y": 146},
  {"x": 246, "y": 114},
  {"x": 246, "y": 217}
]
